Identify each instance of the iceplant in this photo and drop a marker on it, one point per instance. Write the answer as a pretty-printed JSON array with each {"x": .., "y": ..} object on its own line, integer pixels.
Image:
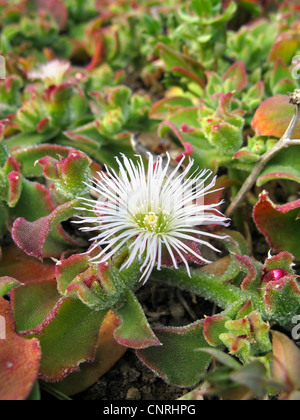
[
  {"x": 153, "y": 209},
  {"x": 51, "y": 73}
]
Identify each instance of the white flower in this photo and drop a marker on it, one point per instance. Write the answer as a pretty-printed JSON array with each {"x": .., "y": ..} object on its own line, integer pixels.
[
  {"x": 51, "y": 73},
  {"x": 151, "y": 210}
]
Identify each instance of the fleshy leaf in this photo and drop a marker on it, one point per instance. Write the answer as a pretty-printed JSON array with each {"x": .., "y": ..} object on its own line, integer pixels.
[
  {"x": 68, "y": 336},
  {"x": 56, "y": 8},
  {"x": 19, "y": 357},
  {"x": 164, "y": 108},
  {"x": 15, "y": 263},
  {"x": 134, "y": 330},
  {"x": 34, "y": 239},
  {"x": 282, "y": 299},
  {"x": 32, "y": 303},
  {"x": 68, "y": 174},
  {"x": 99, "y": 286},
  {"x": 212, "y": 328},
  {"x": 286, "y": 364},
  {"x": 174, "y": 59},
  {"x": 284, "y": 48},
  {"x": 27, "y": 158},
  {"x": 176, "y": 361},
  {"x": 283, "y": 261},
  {"x": 107, "y": 353},
  {"x": 285, "y": 165},
  {"x": 7, "y": 284},
  {"x": 273, "y": 117},
  {"x": 279, "y": 224},
  {"x": 236, "y": 77}
]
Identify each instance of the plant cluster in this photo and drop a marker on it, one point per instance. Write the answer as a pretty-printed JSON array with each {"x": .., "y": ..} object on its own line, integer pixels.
[{"x": 205, "y": 84}]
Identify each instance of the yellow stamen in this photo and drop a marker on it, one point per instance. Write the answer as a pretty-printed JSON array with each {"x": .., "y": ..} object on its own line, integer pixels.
[{"x": 151, "y": 221}]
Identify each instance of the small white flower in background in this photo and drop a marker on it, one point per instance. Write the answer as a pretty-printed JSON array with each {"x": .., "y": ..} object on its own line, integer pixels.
[
  {"x": 51, "y": 73},
  {"x": 151, "y": 210}
]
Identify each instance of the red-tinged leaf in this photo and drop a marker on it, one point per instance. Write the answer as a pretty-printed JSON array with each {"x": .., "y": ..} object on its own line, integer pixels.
[
  {"x": 282, "y": 299},
  {"x": 189, "y": 74},
  {"x": 224, "y": 110},
  {"x": 34, "y": 237},
  {"x": 283, "y": 261},
  {"x": 19, "y": 358},
  {"x": 134, "y": 330},
  {"x": 15, "y": 188},
  {"x": 186, "y": 119},
  {"x": 167, "y": 126},
  {"x": 285, "y": 86},
  {"x": 99, "y": 50},
  {"x": 56, "y": 8},
  {"x": 285, "y": 49},
  {"x": 7, "y": 284},
  {"x": 252, "y": 280},
  {"x": 279, "y": 224},
  {"x": 273, "y": 117},
  {"x": 44, "y": 125},
  {"x": 15, "y": 263},
  {"x": 213, "y": 326},
  {"x": 246, "y": 156},
  {"x": 27, "y": 158},
  {"x": 99, "y": 286},
  {"x": 177, "y": 360},
  {"x": 162, "y": 109},
  {"x": 236, "y": 77},
  {"x": 107, "y": 354},
  {"x": 286, "y": 361},
  {"x": 32, "y": 302},
  {"x": 69, "y": 174},
  {"x": 68, "y": 336},
  {"x": 32, "y": 193},
  {"x": 175, "y": 59},
  {"x": 188, "y": 151},
  {"x": 67, "y": 269},
  {"x": 284, "y": 165},
  {"x": 11, "y": 165}
]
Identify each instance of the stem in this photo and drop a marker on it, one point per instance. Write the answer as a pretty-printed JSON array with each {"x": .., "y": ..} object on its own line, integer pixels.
[
  {"x": 284, "y": 142},
  {"x": 225, "y": 295}
]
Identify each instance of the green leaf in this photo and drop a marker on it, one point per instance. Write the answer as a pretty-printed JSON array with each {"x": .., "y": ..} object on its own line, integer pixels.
[
  {"x": 35, "y": 394},
  {"x": 222, "y": 357},
  {"x": 68, "y": 336},
  {"x": 32, "y": 303},
  {"x": 285, "y": 165},
  {"x": 202, "y": 7},
  {"x": 134, "y": 331},
  {"x": 176, "y": 361},
  {"x": 253, "y": 376},
  {"x": 7, "y": 284}
]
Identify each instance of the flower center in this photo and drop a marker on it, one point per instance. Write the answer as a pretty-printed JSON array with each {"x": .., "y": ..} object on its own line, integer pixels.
[{"x": 151, "y": 221}]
